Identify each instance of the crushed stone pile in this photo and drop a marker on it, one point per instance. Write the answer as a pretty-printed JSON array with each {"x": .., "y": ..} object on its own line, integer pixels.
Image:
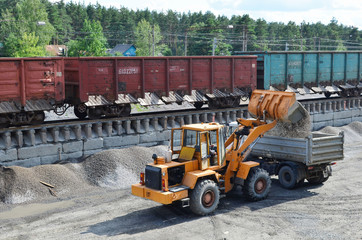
[
  {"x": 352, "y": 132},
  {"x": 300, "y": 129},
  {"x": 115, "y": 169},
  {"x": 119, "y": 168}
]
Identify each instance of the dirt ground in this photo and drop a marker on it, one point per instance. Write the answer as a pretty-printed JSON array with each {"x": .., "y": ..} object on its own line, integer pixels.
[{"x": 332, "y": 210}]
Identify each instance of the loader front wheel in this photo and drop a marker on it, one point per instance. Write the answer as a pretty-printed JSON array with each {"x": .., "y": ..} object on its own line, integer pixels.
[
  {"x": 204, "y": 197},
  {"x": 257, "y": 184}
]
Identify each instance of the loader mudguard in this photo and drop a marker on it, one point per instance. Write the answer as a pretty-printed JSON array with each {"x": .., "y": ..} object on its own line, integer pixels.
[
  {"x": 191, "y": 178},
  {"x": 244, "y": 169}
]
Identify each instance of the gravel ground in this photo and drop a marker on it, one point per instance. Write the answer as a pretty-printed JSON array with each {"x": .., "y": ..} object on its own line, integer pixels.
[{"x": 93, "y": 201}]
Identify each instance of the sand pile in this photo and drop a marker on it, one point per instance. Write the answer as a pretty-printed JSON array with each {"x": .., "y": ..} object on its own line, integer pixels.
[
  {"x": 116, "y": 169},
  {"x": 300, "y": 129}
]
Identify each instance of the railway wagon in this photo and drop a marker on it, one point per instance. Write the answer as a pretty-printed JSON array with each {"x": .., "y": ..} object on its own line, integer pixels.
[
  {"x": 310, "y": 72},
  {"x": 28, "y": 87},
  {"x": 106, "y": 86}
]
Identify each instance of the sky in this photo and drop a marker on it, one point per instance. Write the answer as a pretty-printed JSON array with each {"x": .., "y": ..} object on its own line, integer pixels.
[{"x": 347, "y": 12}]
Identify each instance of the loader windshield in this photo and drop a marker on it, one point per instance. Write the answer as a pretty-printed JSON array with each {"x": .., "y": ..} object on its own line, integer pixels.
[{"x": 190, "y": 138}]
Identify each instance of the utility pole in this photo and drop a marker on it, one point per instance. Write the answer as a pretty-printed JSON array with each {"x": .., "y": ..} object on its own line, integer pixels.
[
  {"x": 214, "y": 46},
  {"x": 186, "y": 43},
  {"x": 314, "y": 44},
  {"x": 286, "y": 46},
  {"x": 245, "y": 41},
  {"x": 153, "y": 40}
]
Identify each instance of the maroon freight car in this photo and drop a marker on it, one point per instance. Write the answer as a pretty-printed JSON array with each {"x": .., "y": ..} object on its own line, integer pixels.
[
  {"x": 28, "y": 87},
  {"x": 108, "y": 85}
]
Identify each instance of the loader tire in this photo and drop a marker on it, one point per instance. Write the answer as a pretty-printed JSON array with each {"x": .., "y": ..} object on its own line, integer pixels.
[
  {"x": 257, "y": 184},
  {"x": 204, "y": 197},
  {"x": 287, "y": 177}
]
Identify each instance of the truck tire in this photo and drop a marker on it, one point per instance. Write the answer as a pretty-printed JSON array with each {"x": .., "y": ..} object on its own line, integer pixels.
[
  {"x": 287, "y": 177},
  {"x": 257, "y": 185},
  {"x": 318, "y": 180},
  {"x": 204, "y": 197}
]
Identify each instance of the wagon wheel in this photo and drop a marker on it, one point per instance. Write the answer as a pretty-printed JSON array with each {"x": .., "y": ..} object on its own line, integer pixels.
[
  {"x": 125, "y": 110},
  {"x": 80, "y": 111},
  {"x": 213, "y": 104},
  {"x": 38, "y": 118},
  {"x": 94, "y": 113},
  {"x": 236, "y": 102}
]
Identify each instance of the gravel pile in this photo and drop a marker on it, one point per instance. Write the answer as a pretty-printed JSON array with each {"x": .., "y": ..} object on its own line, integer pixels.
[
  {"x": 119, "y": 168},
  {"x": 352, "y": 132},
  {"x": 19, "y": 184},
  {"x": 116, "y": 169}
]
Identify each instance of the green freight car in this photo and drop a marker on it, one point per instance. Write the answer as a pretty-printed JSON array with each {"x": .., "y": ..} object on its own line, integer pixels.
[{"x": 310, "y": 72}]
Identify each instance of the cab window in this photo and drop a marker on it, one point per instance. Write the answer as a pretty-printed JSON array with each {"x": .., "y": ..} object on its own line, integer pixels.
[
  {"x": 176, "y": 139},
  {"x": 190, "y": 138}
]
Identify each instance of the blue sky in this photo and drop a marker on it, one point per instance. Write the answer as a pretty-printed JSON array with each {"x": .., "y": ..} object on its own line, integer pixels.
[{"x": 347, "y": 12}]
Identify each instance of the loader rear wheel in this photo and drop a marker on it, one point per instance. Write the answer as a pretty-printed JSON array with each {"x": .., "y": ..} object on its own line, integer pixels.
[
  {"x": 257, "y": 184},
  {"x": 204, "y": 197},
  {"x": 287, "y": 177}
]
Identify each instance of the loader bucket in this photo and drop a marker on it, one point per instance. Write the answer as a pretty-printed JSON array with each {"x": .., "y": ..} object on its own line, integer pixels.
[{"x": 276, "y": 105}]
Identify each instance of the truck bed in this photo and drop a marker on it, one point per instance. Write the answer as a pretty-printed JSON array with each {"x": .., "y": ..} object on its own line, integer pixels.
[{"x": 317, "y": 148}]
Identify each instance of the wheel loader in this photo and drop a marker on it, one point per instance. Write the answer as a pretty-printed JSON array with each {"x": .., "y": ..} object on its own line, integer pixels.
[{"x": 202, "y": 165}]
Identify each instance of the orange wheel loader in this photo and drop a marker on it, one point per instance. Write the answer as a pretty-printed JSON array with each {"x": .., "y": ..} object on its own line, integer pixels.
[{"x": 202, "y": 165}]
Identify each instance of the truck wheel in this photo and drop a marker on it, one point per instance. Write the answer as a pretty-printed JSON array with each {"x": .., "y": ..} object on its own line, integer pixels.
[
  {"x": 257, "y": 184},
  {"x": 318, "y": 180},
  {"x": 287, "y": 177},
  {"x": 204, "y": 197}
]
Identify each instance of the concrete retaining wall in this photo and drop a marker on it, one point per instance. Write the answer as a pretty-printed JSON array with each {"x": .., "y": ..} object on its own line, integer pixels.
[{"x": 46, "y": 145}]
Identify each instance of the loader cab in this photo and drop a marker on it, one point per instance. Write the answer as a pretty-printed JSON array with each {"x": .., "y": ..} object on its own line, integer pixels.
[{"x": 202, "y": 142}]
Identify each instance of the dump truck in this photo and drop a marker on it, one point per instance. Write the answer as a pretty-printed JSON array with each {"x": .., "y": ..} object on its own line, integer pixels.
[
  {"x": 297, "y": 159},
  {"x": 203, "y": 165}
]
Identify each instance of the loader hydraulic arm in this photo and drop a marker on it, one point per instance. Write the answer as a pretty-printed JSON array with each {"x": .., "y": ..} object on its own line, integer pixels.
[
  {"x": 244, "y": 138},
  {"x": 263, "y": 105}
]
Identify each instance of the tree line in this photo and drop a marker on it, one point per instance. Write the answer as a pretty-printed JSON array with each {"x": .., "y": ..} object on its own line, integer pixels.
[{"x": 26, "y": 26}]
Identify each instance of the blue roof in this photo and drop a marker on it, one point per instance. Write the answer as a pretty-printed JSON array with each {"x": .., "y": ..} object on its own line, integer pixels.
[{"x": 121, "y": 48}]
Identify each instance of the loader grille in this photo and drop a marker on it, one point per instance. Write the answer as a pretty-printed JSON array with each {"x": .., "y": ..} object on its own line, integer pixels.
[{"x": 153, "y": 177}]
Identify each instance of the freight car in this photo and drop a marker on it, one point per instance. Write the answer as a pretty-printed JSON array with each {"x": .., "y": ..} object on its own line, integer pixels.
[
  {"x": 28, "y": 87},
  {"x": 106, "y": 86},
  {"x": 310, "y": 72}
]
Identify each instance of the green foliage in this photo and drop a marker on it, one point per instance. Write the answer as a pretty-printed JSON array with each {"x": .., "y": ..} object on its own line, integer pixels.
[
  {"x": 65, "y": 23},
  {"x": 28, "y": 46},
  {"x": 20, "y": 30},
  {"x": 148, "y": 39},
  {"x": 92, "y": 43}
]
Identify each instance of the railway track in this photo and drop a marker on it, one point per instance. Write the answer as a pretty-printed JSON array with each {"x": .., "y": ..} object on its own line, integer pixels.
[
  {"x": 167, "y": 113},
  {"x": 64, "y": 139}
]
